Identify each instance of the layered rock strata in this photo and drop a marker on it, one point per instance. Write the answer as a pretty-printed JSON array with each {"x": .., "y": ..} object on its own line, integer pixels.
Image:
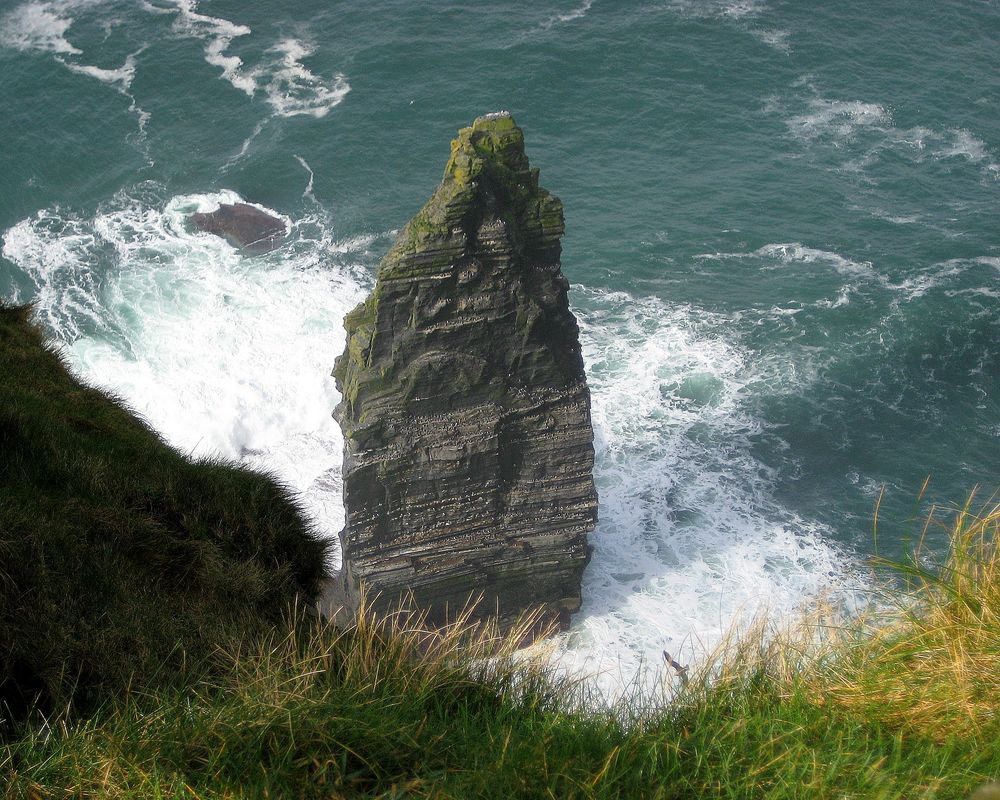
[{"x": 468, "y": 442}]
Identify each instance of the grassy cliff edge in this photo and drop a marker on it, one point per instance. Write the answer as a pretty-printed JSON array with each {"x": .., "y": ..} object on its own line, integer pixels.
[
  {"x": 120, "y": 558},
  {"x": 146, "y": 608}
]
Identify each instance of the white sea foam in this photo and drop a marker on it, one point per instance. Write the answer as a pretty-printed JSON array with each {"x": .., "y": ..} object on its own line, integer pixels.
[
  {"x": 225, "y": 355},
  {"x": 858, "y": 273},
  {"x": 576, "y": 13},
  {"x": 942, "y": 145},
  {"x": 781, "y": 254},
  {"x": 218, "y": 34},
  {"x": 963, "y": 144},
  {"x": 55, "y": 249},
  {"x": 245, "y": 147},
  {"x": 897, "y": 219},
  {"x": 120, "y": 78},
  {"x": 557, "y": 19},
  {"x": 689, "y": 539},
  {"x": 870, "y": 128},
  {"x": 308, "y": 191},
  {"x": 38, "y": 26},
  {"x": 796, "y": 253},
  {"x": 41, "y": 27},
  {"x": 943, "y": 274},
  {"x": 733, "y": 9},
  {"x": 291, "y": 89},
  {"x": 294, "y": 90},
  {"x": 839, "y": 118},
  {"x": 778, "y": 39},
  {"x": 744, "y": 14},
  {"x": 155, "y": 9}
]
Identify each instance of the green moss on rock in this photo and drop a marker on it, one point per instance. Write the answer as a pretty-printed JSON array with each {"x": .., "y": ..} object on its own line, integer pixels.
[{"x": 486, "y": 157}]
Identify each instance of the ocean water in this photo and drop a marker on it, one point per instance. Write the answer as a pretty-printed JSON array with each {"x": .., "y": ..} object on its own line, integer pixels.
[{"x": 783, "y": 236}]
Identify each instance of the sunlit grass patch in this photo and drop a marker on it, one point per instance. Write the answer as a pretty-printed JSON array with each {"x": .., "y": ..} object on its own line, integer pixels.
[{"x": 930, "y": 662}]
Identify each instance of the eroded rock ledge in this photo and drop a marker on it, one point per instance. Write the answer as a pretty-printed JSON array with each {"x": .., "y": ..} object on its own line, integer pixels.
[{"x": 469, "y": 449}]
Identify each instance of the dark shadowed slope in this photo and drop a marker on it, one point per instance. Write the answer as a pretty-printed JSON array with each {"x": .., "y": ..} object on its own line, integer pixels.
[{"x": 117, "y": 553}]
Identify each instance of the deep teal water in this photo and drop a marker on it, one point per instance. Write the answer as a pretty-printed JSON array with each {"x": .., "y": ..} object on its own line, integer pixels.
[{"x": 782, "y": 232}]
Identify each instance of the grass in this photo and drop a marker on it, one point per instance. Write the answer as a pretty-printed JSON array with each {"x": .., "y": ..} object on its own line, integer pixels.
[
  {"x": 148, "y": 608},
  {"x": 931, "y": 661},
  {"x": 879, "y": 708},
  {"x": 121, "y": 560}
]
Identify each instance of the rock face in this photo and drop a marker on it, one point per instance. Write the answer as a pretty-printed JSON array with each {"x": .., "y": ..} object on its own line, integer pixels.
[
  {"x": 469, "y": 449},
  {"x": 242, "y": 225}
]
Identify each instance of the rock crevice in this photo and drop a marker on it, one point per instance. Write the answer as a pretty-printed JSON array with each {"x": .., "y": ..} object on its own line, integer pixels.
[{"x": 468, "y": 442}]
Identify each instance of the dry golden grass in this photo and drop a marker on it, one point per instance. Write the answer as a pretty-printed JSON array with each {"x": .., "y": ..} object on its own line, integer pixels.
[
  {"x": 930, "y": 662},
  {"x": 925, "y": 659}
]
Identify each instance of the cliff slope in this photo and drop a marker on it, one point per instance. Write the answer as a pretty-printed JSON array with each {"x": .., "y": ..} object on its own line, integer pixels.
[
  {"x": 122, "y": 561},
  {"x": 469, "y": 448}
]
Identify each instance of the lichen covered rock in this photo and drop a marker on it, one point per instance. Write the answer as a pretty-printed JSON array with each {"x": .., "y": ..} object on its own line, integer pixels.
[{"x": 469, "y": 449}]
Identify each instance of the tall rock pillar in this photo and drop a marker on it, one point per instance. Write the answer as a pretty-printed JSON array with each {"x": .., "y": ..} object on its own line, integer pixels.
[{"x": 468, "y": 463}]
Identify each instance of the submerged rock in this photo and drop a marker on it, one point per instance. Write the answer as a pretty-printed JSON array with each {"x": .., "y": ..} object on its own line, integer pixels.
[
  {"x": 466, "y": 414},
  {"x": 243, "y": 225}
]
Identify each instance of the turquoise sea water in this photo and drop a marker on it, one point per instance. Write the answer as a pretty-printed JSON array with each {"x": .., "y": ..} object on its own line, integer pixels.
[{"x": 783, "y": 235}]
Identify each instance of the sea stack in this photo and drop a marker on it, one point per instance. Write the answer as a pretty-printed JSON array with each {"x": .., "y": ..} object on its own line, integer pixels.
[{"x": 468, "y": 459}]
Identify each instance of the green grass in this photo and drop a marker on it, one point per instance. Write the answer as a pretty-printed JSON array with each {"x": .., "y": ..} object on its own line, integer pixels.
[
  {"x": 321, "y": 714},
  {"x": 392, "y": 710},
  {"x": 121, "y": 559},
  {"x": 161, "y": 613}
]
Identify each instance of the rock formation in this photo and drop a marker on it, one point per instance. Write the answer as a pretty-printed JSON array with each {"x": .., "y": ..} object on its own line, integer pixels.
[
  {"x": 469, "y": 449},
  {"x": 242, "y": 225}
]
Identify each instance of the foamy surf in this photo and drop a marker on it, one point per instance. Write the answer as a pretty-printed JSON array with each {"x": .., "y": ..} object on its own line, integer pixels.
[
  {"x": 218, "y": 35},
  {"x": 38, "y": 26},
  {"x": 120, "y": 78},
  {"x": 859, "y": 132},
  {"x": 576, "y": 13},
  {"x": 731, "y": 9},
  {"x": 225, "y": 355},
  {"x": 856, "y": 274},
  {"x": 744, "y": 15},
  {"x": 294, "y": 90},
  {"x": 291, "y": 89},
  {"x": 690, "y": 540},
  {"x": 42, "y": 26}
]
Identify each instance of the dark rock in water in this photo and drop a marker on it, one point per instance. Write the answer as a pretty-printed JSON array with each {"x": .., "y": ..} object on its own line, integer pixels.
[
  {"x": 243, "y": 225},
  {"x": 469, "y": 449}
]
